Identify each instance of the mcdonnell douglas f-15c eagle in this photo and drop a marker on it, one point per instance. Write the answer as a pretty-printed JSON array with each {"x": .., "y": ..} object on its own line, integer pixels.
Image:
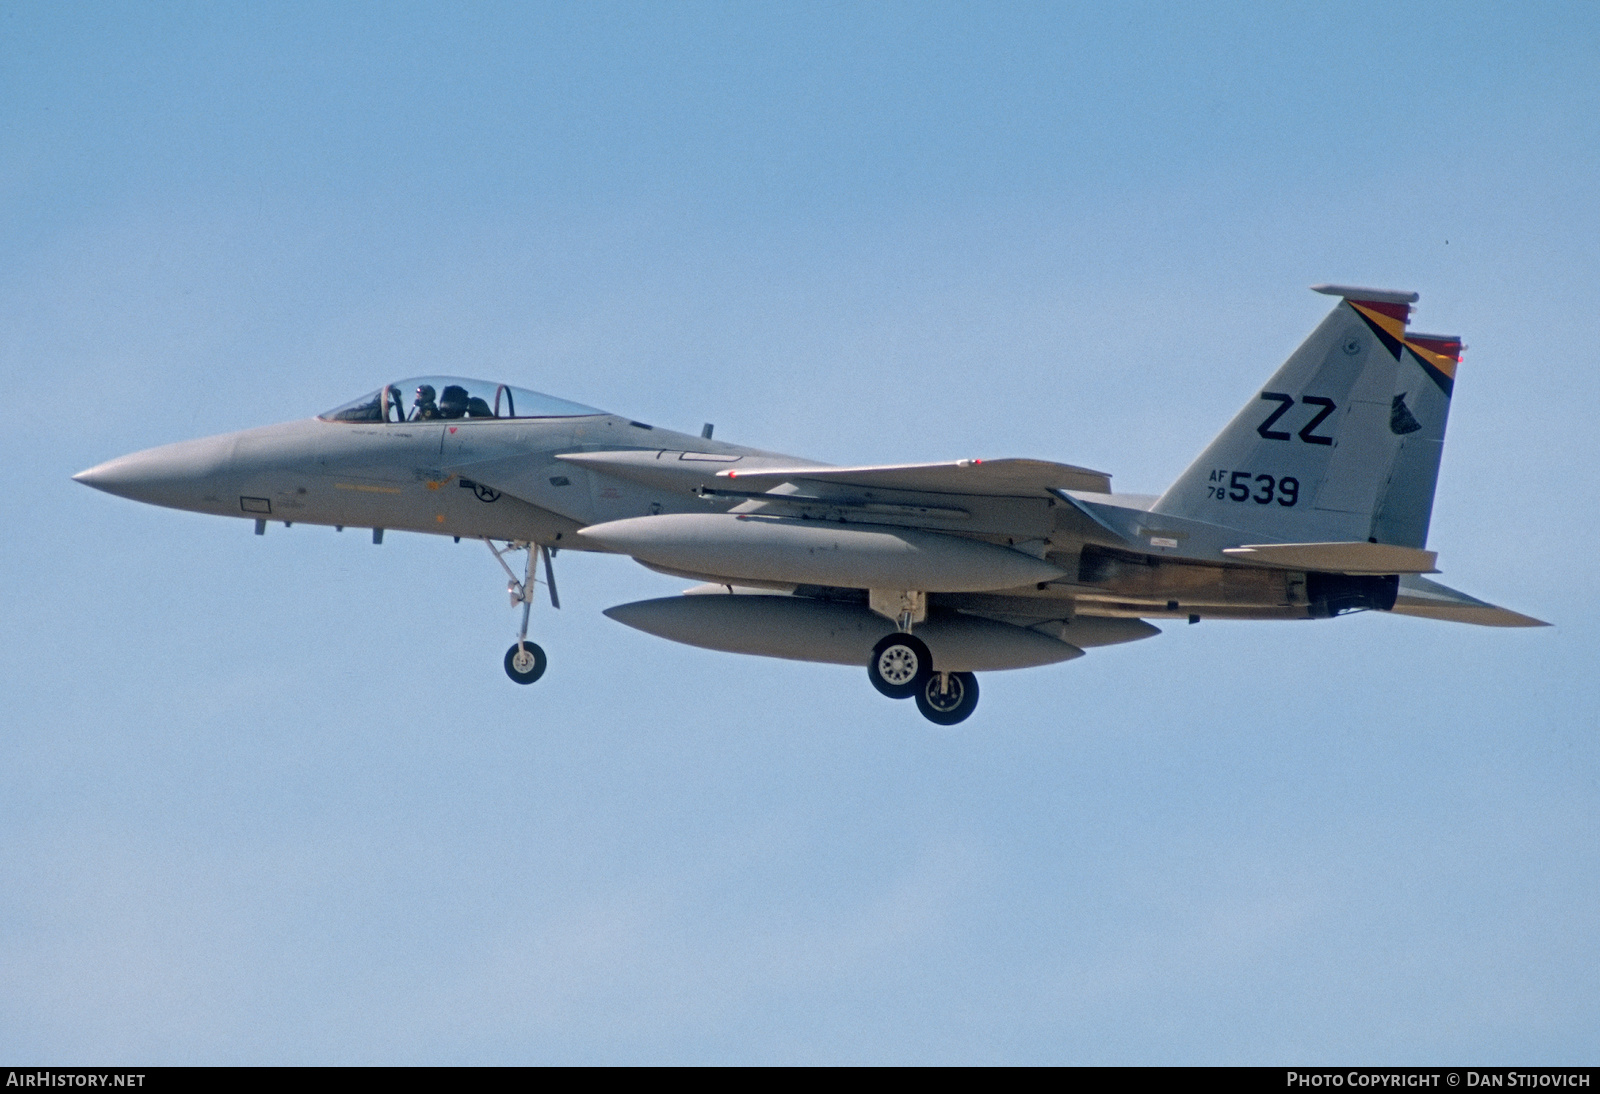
[{"x": 1313, "y": 502}]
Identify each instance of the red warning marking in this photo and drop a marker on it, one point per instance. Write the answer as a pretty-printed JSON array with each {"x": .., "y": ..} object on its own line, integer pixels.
[
  {"x": 1447, "y": 347},
  {"x": 1401, "y": 312}
]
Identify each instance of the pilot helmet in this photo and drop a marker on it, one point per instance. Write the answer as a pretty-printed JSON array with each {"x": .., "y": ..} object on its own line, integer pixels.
[
  {"x": 454, "y": 395},
  {"x": 425, "y": 393}
]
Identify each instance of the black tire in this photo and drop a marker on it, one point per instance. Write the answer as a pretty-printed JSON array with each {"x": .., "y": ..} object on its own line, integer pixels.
[
  {"x": 900, "y": 666},
  {"x": 530, "y": 673},
  {"x": 948, "y": 697}
]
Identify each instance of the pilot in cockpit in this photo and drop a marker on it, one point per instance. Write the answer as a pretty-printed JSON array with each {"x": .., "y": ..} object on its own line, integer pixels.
[
  {"x": 453, "y": 402},
  {"x": 424, "y": 409}
]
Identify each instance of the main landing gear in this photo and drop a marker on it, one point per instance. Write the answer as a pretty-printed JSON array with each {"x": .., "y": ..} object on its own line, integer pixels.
[
  {"x": 525, "y": 661},
  {"x": 901, "y": 667},
  {"x": 948, "y": 697}
]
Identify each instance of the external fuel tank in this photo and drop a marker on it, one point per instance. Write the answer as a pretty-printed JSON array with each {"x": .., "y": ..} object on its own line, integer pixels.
[{"x": 812, "y": 552}]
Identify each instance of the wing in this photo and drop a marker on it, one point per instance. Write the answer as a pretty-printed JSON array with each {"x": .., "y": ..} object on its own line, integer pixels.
[{"x": 991, "y": 478}]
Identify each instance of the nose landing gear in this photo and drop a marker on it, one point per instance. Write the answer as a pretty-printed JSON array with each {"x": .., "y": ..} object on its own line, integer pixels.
[{"x": 525, "y": 661}]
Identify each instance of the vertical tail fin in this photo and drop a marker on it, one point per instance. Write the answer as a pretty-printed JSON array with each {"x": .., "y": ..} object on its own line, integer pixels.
[{"x": 1343, "y": 443}]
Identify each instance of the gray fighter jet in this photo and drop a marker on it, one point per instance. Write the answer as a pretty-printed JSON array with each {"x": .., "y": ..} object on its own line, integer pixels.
[{"x": 1312, "y": 503}]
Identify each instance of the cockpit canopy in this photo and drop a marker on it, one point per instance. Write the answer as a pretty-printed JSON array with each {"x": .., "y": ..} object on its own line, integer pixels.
[{"x": 430, "y": 398}]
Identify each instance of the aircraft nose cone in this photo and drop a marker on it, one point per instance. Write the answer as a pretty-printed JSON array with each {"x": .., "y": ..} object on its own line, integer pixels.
[
  {"x": 117, "y": 476},
  {"x": 176, "y": 475}
]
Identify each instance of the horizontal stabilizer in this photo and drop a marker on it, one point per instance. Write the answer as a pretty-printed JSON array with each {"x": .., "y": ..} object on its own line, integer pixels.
[
  {"x": 1003, "y": 478},
  {"x": 1431, "y": 600},
  {"x": 1338, "y": 558}
]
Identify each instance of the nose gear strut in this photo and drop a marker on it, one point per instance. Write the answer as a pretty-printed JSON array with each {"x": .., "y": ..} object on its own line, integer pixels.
[{"x": 525, "y": 661}]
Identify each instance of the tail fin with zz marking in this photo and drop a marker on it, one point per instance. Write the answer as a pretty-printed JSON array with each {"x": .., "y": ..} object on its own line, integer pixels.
[{"x": 1342, "y": 444}]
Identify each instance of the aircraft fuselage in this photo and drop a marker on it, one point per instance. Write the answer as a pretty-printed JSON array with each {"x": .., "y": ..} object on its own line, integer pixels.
[{"x": 1313, "y": 502}]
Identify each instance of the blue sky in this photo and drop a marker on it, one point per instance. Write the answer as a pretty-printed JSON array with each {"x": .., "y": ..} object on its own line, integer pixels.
[{"x": 273, "y": 800}]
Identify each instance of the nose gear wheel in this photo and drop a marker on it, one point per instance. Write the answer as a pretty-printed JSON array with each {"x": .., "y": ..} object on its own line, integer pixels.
[{"x": 525, "y": 662}]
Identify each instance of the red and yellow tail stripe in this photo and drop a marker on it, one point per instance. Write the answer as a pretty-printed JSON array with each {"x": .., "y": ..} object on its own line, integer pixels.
[{"x": 1439, "y": 354}]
